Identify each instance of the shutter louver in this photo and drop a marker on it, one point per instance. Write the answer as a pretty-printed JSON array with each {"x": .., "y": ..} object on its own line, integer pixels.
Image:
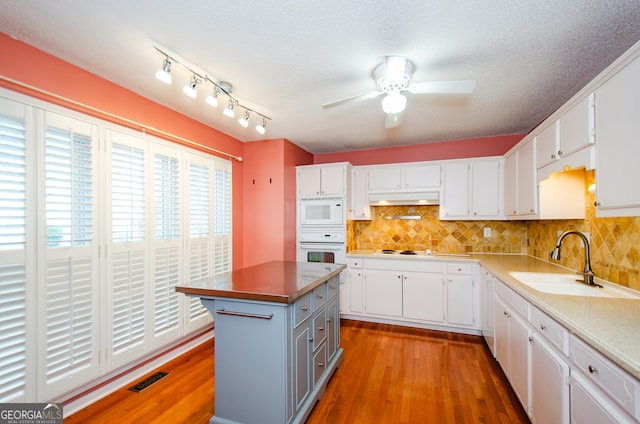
[{"x": 13, "y": 276}]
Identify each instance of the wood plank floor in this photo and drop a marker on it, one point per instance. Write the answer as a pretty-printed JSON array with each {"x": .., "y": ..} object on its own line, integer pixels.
[{"x": 390, "y": 374}]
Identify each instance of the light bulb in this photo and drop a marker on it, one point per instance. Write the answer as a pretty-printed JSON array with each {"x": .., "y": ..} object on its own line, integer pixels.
[
  {"x": 394, "y": 102},
  {"x": 244, "y": 121},
  {"x": 262, "y": 127},
  {"x": 164, "y": 73},
  {"x": 212, "y": 99}
]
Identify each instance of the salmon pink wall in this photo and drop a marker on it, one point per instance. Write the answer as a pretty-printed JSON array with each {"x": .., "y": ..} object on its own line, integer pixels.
[
  {"x": 476, "y": 147},
  {"x": 270, "y": 199},
  {"x": 26, "y": 65}
]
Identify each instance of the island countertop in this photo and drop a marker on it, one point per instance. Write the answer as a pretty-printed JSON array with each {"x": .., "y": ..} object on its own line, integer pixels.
[{"x": 276, "y": 281}]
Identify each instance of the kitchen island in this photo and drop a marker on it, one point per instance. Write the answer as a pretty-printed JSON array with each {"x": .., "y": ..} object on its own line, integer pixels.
[{"x": 277, "y": 339}]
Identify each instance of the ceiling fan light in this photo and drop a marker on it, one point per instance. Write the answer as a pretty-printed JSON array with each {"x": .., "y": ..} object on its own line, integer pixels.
[{"x": 394, "y": 102}]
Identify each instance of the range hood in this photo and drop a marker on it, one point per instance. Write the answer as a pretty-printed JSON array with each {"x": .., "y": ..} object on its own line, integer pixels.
[{"x": 405, "y": 198}]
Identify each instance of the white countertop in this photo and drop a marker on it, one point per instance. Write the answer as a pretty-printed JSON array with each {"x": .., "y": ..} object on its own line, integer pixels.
[{"x": 610, "y": 325}]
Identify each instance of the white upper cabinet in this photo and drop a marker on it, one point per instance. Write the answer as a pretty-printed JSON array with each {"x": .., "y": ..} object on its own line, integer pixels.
[
  {"x": 570, "y": 133},
  {"x": 472, "y": 189},
  {"x": 413, "y": 177},
  {"x": 322, "y": 180},
  {"x": 520, "y": 192},
  {"x": 360, "y": 208},
  {"x": 618, "y": 145}
]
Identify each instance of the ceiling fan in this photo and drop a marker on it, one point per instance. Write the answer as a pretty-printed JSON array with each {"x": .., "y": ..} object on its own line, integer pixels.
[{"x": 392, "y": 78}]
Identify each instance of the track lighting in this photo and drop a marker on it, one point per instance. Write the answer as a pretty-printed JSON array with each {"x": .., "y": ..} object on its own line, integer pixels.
[
  {"x": 164, "y": 74},
  {"x": 228, "y": 111},
  {"x": 261, "y": 127},
  {"x": 244, "y": 121},
  {"x": 212, "y": 99},
  {"x": 219, "y": 88},
  {"x": 190, "y": 89}
]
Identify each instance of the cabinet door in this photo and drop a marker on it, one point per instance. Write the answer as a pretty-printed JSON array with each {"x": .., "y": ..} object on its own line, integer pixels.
[
  {"x": 549, "y": 388},
  {"x": 487, "y": 309},
  {"x": 423, "y": 297},
  {"x": 332, "y": 180},
  {"x": 308, "y": 181},
  {"x": 421, "y": 176},
  {"x": 588, "y": 405},
  {"x": 502, "y": 314},
  {"x": 618, "y": 144},
  {"x": 576, "y": 127},
  {"x": 519, "y": 354},
  {"x": 527, "y": 182},
  {"x": 455, "y": 198},
  {"x": 360, "y": 208},
  {"x": 333, "y": 329},
  {"x": 460, "y": 300},
  {"x": 485, "y": 188},
  {"x": 301, "y": 367},
  {"x": 547, "y": 145},
  {"x": 356, "y": 290},
  {"x": 385, "y": 178},
  {"x": 383, "y": 293},
  {"x": 510, "y": 185}
]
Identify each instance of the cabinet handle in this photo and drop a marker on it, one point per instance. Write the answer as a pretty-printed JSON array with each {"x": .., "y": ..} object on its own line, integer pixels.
[
  {"x": 243, "y": 314},
  {"x": 319, "y": 296},
  {"x": 560, "y": 152},
  {"x": 310, "y": 339},
  {"x": 543, "y": 327},
  {"x": 320, "y": 364},
  {"x": 530, "y": 339},
  {"x": 507, "y": 314},
  {"x": 592, "y": 369},
  {"x": 305, "y": 308},
  {"x": 321, "y": 328},
  {"x": 328, "y": 320}
]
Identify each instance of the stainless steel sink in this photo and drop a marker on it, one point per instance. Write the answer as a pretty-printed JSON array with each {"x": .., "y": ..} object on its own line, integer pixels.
[{"x": 568, "y": 284}]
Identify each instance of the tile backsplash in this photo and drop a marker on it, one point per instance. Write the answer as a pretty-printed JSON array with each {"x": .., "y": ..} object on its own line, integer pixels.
[{"x": 615, "y": 242}]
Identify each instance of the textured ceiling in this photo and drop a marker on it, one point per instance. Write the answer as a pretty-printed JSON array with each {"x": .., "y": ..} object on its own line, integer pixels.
[{"x": 285, "y": 58}]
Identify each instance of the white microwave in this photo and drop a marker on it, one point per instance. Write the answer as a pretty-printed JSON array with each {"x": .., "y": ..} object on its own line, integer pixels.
[{"x": 321, "y": 212}]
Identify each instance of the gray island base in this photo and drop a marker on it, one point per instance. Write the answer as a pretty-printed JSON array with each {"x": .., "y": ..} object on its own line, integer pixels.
[{"x": 277, "y": 339}]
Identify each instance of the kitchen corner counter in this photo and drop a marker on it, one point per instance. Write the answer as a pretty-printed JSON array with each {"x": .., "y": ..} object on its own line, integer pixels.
[
  {"x": 610, "y": 325},
  {"x": 277, "y": 281}
]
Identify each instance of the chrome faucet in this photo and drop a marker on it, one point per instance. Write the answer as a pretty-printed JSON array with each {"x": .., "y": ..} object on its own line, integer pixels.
[{"x": 588, "y": 272}]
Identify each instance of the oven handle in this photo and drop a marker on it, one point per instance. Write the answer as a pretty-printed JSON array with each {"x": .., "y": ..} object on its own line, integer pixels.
[{"x": 321, "y": 245}]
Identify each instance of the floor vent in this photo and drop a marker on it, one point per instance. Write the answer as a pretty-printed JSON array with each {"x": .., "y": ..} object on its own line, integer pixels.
[{"x": 153, "y": 378}]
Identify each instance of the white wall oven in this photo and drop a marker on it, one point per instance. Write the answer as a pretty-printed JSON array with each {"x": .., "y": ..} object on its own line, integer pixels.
[
  {"x": 322, "y": 246},
  {"x": 321, "y": 212}
]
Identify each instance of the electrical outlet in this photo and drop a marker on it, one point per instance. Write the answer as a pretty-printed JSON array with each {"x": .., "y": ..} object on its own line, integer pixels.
[{"x": 487, "y": 232}]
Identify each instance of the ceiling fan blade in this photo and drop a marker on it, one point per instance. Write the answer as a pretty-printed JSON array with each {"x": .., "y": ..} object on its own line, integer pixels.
[
  {"x": 352, "y": 99},
  {"x": 391, "y": 120},
  {"x": 443, "y": 87}
]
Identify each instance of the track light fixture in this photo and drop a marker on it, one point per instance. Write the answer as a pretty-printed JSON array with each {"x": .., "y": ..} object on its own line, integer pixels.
[
  {"x": 164, "y": 74},
  {"x": 219, "y": 88},
  {"x": 190, "y": 89},
  {"x": 262, "y": 127},
  {"x": 244, "y": 121},
  {"x": 228, "y": 111}
]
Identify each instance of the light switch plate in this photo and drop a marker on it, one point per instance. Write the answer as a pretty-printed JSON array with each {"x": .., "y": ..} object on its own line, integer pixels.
[{"x": 487, "y": 232}]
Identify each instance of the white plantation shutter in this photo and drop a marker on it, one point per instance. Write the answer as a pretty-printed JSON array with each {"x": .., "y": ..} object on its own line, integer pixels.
[
  {"x": 167, "y": 242},
  {"x": 199, "y": 219},
  {"x": 13, "y": 273},
  {"x": 70, "y": 286},
  {"x": 127, "y": 267},
  {"x": 222, "y": 218}
]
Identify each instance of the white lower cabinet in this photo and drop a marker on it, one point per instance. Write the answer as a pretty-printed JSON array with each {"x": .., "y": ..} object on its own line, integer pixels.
[
  {"x": 549, "y": 388},
  {"x": 590, "y": 405},
  {"x": 423, "y": 292},
  {"x": 513, "y": 348},
  {"x": 383, "y": 293}
]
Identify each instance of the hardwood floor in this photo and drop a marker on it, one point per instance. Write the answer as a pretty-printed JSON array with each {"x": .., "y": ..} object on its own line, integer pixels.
[{"x": 390, "y": 374}]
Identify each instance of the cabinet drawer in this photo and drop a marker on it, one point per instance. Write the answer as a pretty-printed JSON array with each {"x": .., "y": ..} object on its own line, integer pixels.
[
  {"x": 319, "y": 364},
  {"x": 301, "y": 309},
  {"x": 401, "y": 265},
  {"x": 355, "y": 263},
  {"x": 516, "y": 301},
  {"x": 459, "y": 268},
  {"x": 617, "y": 383},
  {"x": 555, "y": 333},
  {"x": 319, "y": 296},
  {"x": 319, "y": 329}
]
